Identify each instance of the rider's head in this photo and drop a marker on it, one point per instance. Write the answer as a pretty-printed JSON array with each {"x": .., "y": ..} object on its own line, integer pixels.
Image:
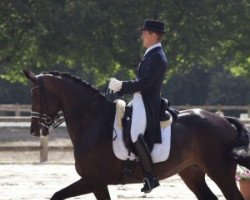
[{"x": 152, "y": 32}]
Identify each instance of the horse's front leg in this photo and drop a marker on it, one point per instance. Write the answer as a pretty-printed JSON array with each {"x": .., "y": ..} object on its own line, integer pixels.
[
  {"x": 102, "y": 193},
  {"x": 81, "y": 187}
]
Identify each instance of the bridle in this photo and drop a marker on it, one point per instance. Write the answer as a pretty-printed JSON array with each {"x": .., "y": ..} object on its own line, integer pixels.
[{"x": 46, "y": 120}]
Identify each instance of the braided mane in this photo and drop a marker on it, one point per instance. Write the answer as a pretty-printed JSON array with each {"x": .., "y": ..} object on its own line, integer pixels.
[{"x": 75, "y": 79}]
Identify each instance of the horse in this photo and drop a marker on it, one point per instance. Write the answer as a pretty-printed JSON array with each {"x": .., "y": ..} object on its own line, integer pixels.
[{"x": 201, "y": 142}]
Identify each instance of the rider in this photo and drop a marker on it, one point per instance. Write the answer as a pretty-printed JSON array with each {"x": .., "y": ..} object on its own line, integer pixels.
[{"x": 146, "y": 98}]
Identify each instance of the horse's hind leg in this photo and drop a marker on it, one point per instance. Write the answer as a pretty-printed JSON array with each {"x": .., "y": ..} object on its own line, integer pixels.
[
  {"x": 194, "y": 178},
  {"x": 224, "y": 177},
  {"x": 102, "y": 194}
]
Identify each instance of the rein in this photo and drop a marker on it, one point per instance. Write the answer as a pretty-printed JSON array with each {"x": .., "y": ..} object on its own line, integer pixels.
[
  {"x": 53, "y": 122},
  {"x": 109, "y": 95}
]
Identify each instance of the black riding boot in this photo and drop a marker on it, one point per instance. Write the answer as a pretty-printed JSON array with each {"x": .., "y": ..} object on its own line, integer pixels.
[{"x": 150, "y": 181}]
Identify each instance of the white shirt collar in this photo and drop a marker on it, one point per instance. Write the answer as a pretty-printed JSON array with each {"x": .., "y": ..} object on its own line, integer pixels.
[{"x": 152, "y": 47}]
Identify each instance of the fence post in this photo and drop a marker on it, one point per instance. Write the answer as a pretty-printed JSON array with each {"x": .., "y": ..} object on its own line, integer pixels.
[
  {"x": 44, "y": 148},
  {"x": 248, "y": 110},
  {"x": 17, "y": 111}
]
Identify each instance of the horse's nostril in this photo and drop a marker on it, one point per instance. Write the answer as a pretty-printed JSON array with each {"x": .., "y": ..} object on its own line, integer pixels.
[{"x": 33, "y": 131}]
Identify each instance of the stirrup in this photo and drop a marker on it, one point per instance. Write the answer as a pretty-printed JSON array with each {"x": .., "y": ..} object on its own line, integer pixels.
[{"x": 149, "y": 185}]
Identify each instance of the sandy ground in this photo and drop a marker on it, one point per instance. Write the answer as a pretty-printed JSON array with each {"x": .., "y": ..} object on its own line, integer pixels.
[{"x": 40, "y": 181}]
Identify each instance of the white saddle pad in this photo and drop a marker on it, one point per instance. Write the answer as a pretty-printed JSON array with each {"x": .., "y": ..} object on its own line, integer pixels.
[{"x": 159, "y": 153}]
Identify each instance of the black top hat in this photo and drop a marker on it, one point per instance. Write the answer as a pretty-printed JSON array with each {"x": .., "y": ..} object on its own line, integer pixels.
[{"x": 153, "y": 25}]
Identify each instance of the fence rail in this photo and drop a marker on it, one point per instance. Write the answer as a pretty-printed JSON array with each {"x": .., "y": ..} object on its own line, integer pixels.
[
  {"x": 16, "y": 108},
  {"x": 34, "y": 148},
  {"x": 14, "y": 119},
  {"x": 216, "y": 107}
]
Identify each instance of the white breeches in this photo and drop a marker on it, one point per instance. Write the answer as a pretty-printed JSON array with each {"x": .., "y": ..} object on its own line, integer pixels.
[{"x": 139, "y": 120}]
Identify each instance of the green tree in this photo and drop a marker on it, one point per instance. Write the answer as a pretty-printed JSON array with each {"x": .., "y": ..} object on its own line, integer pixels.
[
  {"x": 224, "y": 88},
  {"x": 188, "y": 88},
  {"x": 98, "y": 39},
  {"x": 216, "y": 86}
]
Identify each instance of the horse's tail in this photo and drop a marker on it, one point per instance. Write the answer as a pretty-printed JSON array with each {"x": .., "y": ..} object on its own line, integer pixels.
[{"x": 240, "y": 148}]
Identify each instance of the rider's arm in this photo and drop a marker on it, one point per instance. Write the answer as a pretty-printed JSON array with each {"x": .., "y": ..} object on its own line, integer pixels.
[{"x": 154, "y": 69}]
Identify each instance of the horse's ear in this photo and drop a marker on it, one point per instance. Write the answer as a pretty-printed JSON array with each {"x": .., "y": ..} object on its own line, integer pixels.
[{"x": 30, "y": 75}]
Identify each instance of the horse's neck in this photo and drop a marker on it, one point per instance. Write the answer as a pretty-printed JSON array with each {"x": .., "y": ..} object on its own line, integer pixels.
[{"x": 87, "y": 121}]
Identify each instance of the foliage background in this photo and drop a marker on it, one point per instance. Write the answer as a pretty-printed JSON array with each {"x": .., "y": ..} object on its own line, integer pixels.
[{"x": 207, "y": 44}]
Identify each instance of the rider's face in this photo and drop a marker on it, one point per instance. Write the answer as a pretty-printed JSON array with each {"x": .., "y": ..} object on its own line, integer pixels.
[{"x": 148, "y": 38}]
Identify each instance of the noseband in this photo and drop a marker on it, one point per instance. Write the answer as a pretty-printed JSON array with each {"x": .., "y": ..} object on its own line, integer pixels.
[{"x": 48, "y": 121}]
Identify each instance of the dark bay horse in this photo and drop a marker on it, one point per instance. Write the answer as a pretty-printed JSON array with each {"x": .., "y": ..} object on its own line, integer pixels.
[{"x": 201, "y": 142}]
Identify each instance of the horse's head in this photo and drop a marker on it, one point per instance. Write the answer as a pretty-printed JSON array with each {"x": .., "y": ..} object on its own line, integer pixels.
[{"x": 45, "y": 105}]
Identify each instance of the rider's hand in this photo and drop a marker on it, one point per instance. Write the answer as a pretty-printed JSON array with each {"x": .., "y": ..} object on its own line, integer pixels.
[{"x": 115, "y": 85}]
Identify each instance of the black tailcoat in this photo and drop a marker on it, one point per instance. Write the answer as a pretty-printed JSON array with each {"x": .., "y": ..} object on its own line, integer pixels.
[{"x": 150, "y": 76}]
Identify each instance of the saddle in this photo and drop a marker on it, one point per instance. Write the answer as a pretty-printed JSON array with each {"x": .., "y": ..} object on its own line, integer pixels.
[{"x": 167, "y": 116}]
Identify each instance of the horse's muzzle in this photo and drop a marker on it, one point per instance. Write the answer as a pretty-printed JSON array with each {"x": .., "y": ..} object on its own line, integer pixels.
[{"x": 39, "y": 130}]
